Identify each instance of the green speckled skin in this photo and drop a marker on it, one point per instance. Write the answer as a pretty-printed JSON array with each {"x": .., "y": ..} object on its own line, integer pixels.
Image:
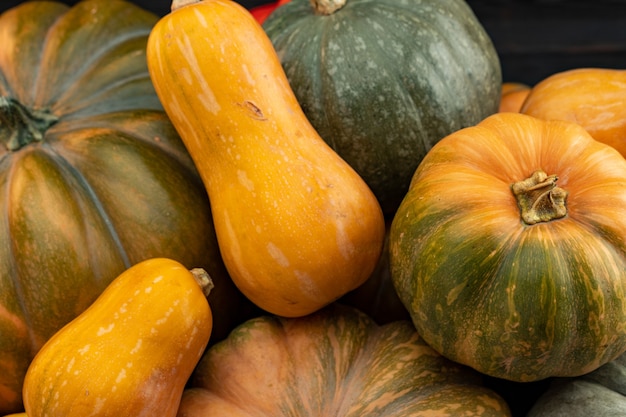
[
  {"x": 515, "y": 301},
  {"x": 383, "y": 80},
  {"x": 335, "y": 362}
]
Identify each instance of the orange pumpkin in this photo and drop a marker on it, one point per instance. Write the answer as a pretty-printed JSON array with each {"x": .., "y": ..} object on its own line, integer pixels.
[
  {"x": 335, "y": 362},
  {"x": 595, "y": 98}
]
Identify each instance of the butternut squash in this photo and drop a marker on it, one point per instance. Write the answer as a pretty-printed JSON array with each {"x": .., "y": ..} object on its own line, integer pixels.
[
  {"x": 131, "y": 352},
  {"x": 296, "y": 225}
]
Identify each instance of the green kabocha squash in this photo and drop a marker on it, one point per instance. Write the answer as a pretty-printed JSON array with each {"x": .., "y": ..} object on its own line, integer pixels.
[
  {"x": 383, "y": 80},
  {"x": 334, "y": 362},
  {"x": 601, "y": 393},
  {"x": 509, "y": 250},
  {"x": 93, "y": 176}
]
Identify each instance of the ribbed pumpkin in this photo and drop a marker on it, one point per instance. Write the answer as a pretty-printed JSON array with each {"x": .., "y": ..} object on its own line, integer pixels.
[
  {"x": 509, "y": 250},
  {"x": 591, "y": 97},
  {"x": 384, "y": 80},
  {"x": 335, "y": 362},
  {"x": 93, "y": 176}
]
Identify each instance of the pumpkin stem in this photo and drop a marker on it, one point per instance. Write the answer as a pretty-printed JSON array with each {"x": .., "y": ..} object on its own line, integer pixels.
[
  {"x": 20, "y": 126},
  {"x": 203, "y": 279},
  {"x": 539, "y": 199},
  {"x": 327, "y": 7}
]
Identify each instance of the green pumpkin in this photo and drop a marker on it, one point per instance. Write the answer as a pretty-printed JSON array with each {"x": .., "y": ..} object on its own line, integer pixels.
[
  {"x": 334, "y": 362},
  {"x": 601, "y": 393},
  {"x": 93, "y": 176},
  {"x": 509, "y": 249},
  {"x": 384, "y": 80}
]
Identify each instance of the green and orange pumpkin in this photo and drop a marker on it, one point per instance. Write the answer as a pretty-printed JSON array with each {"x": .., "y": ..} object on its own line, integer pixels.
[
  {"x": 336, "y": 361},
  {"x": 509, "y": 249}
]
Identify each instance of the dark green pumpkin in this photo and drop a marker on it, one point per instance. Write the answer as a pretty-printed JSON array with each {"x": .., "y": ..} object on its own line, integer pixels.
[
  {"x": 384, "y": 80},
  {"x": 93, "y": 177}
]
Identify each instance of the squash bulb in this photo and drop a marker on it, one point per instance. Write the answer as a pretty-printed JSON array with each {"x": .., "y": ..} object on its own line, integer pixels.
[
  {"x": 131, "y": 352},
  {"x": 297, "y": 227}
]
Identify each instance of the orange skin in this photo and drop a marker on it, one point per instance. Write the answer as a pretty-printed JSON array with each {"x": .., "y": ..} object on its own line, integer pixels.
[
  {"x": 591, "y": 97},
  {"x": 296, "y": 225},
  {"x": 513, "y": 96},
  {"x": 131, "y": 352}
]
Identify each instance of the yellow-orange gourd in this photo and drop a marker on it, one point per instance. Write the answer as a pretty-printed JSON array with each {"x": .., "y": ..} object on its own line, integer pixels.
[
  {"x": 131, "y": 352},
  {"x": 296, "y": 225},
  {"x": 594, "y": 98}
]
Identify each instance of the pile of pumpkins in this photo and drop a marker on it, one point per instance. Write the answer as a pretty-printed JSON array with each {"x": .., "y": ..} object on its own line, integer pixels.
[{"x": 336, "y": 208}]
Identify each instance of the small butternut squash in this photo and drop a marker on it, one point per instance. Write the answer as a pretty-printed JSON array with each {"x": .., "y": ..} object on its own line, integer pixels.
[
  {"x": 296, "y": 225},
  {"x": 131, "y": 352}
]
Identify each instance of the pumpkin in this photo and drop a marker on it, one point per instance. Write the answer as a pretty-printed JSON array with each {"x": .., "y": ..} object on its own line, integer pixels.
[
  {"x": 336, "y": 361},
  {"x": 512, "y": 96},
  {"x": 591, "y": 97},
  {"x": 131, "y": 352},
  {"x": 296, "y": 225},
  {"x": 509, "y": 249},
  {"x": 382, "y": 81},
  {"x": 94, "y": 177},
  {"x": 601, "y": 393}
]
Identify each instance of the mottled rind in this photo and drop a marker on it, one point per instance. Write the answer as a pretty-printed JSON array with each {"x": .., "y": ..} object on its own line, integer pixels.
[
  {"x": 516, "y": 301},
  {"x": 336, "y": 362}
]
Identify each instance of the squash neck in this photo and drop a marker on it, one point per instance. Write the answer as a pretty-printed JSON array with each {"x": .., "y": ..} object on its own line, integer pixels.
[
  {"x": 21, "y": 126},
  {"x": 327, "y": 7},
  {"x": 539, "y": 199}
]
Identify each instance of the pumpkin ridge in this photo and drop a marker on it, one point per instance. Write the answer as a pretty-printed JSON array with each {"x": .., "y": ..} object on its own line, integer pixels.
[
  {"x": 108, "y": 38},
  {"x": 67, "y": 169},
  {"x": 48, "y": 14},
  {"x": 71, "y": 102},
  {"x": 133, "y": 129}
]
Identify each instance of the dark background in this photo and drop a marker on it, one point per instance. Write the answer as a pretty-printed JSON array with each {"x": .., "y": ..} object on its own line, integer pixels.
[{"x": 534, "y": 39}]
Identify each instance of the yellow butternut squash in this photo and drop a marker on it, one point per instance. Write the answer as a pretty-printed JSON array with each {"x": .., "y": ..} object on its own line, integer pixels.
[
  {"x": 131, "y": 352},
  {"x": 296, "y": 225}
]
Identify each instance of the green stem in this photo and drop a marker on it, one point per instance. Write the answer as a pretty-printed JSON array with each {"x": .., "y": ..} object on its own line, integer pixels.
[
  {"x": 539, "y": 199},
  {"x": 20, "y": 126}
]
